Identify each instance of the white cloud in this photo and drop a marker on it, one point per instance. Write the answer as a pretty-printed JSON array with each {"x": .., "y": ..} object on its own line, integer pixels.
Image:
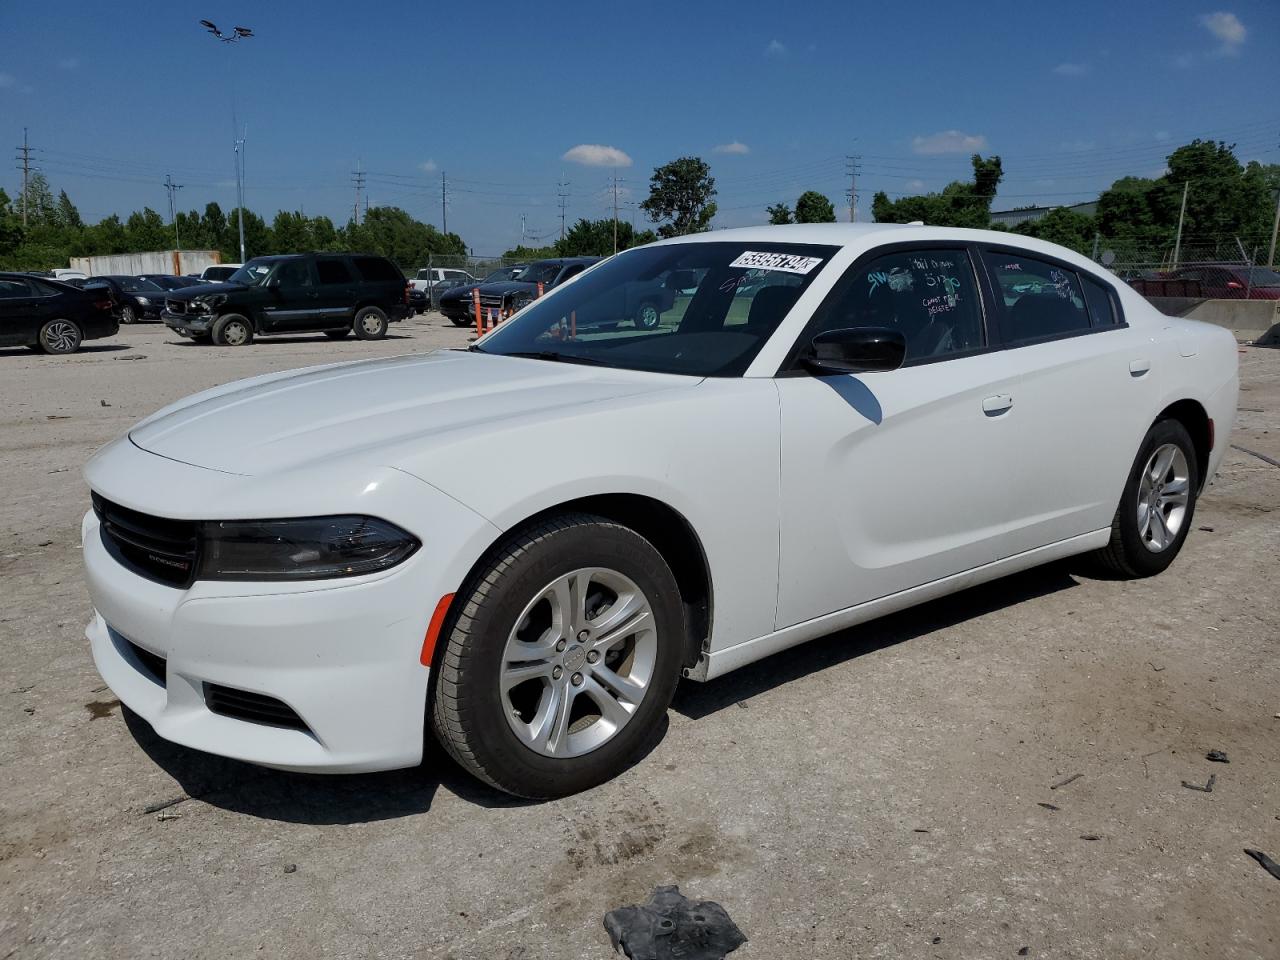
[
  {"x": 776, "y": 48},
  {"x": 597, "y": 155},
  {"x": 1073, "y": 69},
  {"x": 949, "y": 141},
  {"x": 1227, "y": 28},
  {"x": 7, "y": 80},
  {"x": 915, "y": 184},
  {"x": 736, "y": 147},
  {"x": 68, "y": 63},
  {"x": 428, "y": 166}
]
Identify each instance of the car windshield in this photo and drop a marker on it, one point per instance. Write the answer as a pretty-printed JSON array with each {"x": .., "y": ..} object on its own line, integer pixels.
[
  {"x": 543, "y": 272},
  {"x": 423, "y": 275},
  {"x": 252, "y": 273},
  {"x": 502, "y": 273},
  {"x": 172, "y": 283},
  {"x": 1260, "y": 277},
  {"x": 700, "y": 308},
  {"x": 136, "y": 284}
]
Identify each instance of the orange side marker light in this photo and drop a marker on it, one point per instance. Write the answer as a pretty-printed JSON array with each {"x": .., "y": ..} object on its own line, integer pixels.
[{"x": 433, "y": 629}]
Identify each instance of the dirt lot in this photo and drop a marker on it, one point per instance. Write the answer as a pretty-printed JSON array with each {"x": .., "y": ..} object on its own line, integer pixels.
[{"x": 886, "y": 792}]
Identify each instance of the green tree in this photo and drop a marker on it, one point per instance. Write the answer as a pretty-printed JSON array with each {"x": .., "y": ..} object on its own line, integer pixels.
[
  {"x": 594, "y": 238},
  {"x": 522, "y": 252},
  {"x": 67, "y": 216},
  {"x": 779, "y": 213},
  {"x": 680, "y": 193},
  {"x": 813, "y": 207},
  {"x": 147, "y": 231},
  {"x": 39, "y": 204},
  {"x": 1067, "y": 227},
  {"x": 960, "y": 204}
]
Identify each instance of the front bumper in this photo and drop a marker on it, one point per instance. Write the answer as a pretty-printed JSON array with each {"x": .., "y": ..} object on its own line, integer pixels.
[
  {"x": 187, "y": 324},
  {"x": 343, "y": 655}
]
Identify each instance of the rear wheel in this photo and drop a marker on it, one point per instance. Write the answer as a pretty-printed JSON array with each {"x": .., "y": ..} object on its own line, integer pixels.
[
  {"x": 559, "y": 658},
  {"x": 370, "y": 324},
  {"x": 1157, "y": 506},
  {"x": 60, "y": 336},
  {"x": 232, "y": 330}
]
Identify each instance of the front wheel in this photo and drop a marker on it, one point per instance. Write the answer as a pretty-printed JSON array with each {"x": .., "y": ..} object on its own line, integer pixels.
[
  {"x": 647, "y": 317},
  {"x": 1157, "y": 505},
  {"x": 59, "y": 337},
  {"x": 559, "y": 658},
  {"x": 370, "y": 324},
  {"x": 232, "y": 330},
  {"x": 128, "y": 314}
]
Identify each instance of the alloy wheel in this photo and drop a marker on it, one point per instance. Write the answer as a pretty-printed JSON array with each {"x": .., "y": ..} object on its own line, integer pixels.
[
  {"x": 649, "y": 316},
  {"x": 579, "y": 662},
  {"x": 234, "y": 334},
  {"x": 371, "y": 324},
  {"x": 1163, "y": 494},
  {"x": 61, "y": 336}
]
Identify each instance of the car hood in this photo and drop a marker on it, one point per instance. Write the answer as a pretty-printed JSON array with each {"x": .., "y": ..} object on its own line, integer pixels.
[
  {"x": 383, "y": 411},
  {"x": 462, "y": 291},
  {"x": 205, "y": 290}
]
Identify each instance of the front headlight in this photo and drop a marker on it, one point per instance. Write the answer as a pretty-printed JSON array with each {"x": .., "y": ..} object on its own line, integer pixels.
[
  {"x": 205, "y": 304},
  {"x": 143, "y": 301},
  {"x": 308, "y": 548}
]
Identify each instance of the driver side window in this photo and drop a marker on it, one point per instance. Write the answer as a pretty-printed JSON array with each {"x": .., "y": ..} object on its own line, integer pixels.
[
  {"x": 293, "y": 273},
  {"x": 929, "y": 296}
]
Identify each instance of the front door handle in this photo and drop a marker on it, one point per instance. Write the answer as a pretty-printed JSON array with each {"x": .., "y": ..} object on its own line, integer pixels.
[
  {"x": 994, "y": 406},
  {"x": 1139, "y": 368}
]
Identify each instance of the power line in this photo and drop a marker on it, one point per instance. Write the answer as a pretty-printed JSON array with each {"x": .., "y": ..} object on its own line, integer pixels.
[
  {"x": 25, "y": 150},
  {"x": 357, "y": 178},
  {"x": 563, "y": 198},
  {"x": 172, "y": 188},
  {"x": 853, "y": 160}
]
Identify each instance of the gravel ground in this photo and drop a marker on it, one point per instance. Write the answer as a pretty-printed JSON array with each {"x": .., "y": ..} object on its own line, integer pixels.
[{"x": 885, "y": 792}]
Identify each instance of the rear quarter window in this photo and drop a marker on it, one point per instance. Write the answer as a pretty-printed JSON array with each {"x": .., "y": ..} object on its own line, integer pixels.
[
  {"x": 1103, "y": 308},
  {"x": 377, "y": 270}
]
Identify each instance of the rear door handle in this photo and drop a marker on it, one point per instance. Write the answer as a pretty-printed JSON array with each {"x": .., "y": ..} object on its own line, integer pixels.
[
  {"x": 1139, "y": 368},
  {"x": 994, "y": 406}
]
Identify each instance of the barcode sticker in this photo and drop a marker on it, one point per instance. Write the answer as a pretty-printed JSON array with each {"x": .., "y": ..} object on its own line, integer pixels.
[{"x": 787, "y": 263}]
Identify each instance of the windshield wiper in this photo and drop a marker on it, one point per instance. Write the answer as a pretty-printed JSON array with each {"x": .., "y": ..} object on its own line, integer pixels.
[{"x": 557, "y": 357}]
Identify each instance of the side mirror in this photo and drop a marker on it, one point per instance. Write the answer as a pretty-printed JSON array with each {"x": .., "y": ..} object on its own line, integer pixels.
[
  {"x": 681, "y": 280},
  {"x": 856, "y": 350}
]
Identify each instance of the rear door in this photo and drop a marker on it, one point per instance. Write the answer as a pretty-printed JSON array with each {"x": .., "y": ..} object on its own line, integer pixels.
[
  {"x": 22, "y": 313},
  {"x": 336, "y": 297},
  {"x": 1087, "y": 385}
]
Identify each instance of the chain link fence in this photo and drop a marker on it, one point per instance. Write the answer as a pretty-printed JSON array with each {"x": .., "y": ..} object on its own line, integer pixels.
[
  {"x": 462, "y": 270},
  {"x": 1214, "y": 268}
]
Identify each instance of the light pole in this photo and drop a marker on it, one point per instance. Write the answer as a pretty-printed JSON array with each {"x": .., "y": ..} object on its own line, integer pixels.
[{"x": 237, "y": 33}]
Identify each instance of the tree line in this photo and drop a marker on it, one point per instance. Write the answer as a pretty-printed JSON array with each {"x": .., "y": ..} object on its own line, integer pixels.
[{"x": 54, "y": 232}]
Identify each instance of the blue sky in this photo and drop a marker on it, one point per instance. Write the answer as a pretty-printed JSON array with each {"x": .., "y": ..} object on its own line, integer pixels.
[{"x": 498, "y": 95}]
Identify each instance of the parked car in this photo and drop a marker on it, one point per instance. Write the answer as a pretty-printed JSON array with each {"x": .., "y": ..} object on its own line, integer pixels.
[
  {"x": 134, "y": 298},
  {"x": 169, "y": 282},
  {"x": 429, "y": 277},
  {"x": 218, "y": 273},
  {"x": 506, "y": 293},
  {"x": 533, "y": 539},
  {"x": 419, "y": 301},
  {"x": 297, "y": 293},
  {"x": 50, "y": 315},
  {"x": 1231, "y": 281}
]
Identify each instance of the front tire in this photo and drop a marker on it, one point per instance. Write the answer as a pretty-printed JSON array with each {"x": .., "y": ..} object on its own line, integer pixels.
[
  {"x": 232, "y": 330},
  {"x": 1157, "y": 506},
  {"x": 128, "y": 314},
  {"x": 370, "y": 324},
  {"x": 647, "y": 316},
  {"x": 59, "y": 337},
  {"x": 559, "y": 658},
  {"x": 460, "y": 321}
]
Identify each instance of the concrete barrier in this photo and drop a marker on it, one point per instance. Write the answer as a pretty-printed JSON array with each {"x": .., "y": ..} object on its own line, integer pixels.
[{"x": 1256, "y": 320}]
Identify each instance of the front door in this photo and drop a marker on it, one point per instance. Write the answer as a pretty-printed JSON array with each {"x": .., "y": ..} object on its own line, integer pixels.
[
  {"x": 896, "y": 479},
  {"x": 292, "y": 298}
]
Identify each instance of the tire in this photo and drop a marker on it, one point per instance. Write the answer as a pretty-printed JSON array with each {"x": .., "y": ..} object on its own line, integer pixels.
[
  {"x": 370, "y": 324},
  {"x": 1142, "y": 550},
  {"x": 232, "y": 330},
  {"x": 460, "y": 321},
  {"x": 508, "y": 601},
  {"x": 337, "y": 334},
  {"x": 128, "y": 314},
  {"x": 60, "y": 337},
  {"x": 647, "y": 316}
]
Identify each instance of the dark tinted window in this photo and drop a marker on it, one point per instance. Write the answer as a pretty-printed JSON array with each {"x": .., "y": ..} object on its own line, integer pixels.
[
  {"x": 1101, "y": 309},
  {"x": 572, "y": 271},
  {"x": 333, "y": 271},
  {"x": 293, "y": 273},
  {"x": 1041, "y": 300},
  {"x": 11, "y": 289},
  {"x": 46, "y": 289},
  {"x": 377, "y": 269},
  {"x": 930, "y": 296}
]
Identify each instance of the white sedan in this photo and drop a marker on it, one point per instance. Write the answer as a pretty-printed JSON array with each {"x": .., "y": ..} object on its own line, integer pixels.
[{"x": 526, "y": 543}]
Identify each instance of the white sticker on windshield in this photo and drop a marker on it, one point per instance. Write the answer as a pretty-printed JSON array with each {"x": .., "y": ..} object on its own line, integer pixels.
[{"x": 757, "y": 260}]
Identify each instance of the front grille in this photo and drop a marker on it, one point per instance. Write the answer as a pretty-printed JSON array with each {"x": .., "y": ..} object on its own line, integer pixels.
[
  {"x": 153, "y": 664},
  {"x": 158, "y": 548},
  {"x": 251, "y": 707},
  {"x": 178, "y": 307}
]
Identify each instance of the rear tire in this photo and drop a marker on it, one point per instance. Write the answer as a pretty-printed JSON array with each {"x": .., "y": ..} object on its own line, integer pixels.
[
  {"x": 370, "y": 324},
  {"x": 1158, "y": 504},
  {"x": 232, "y": 330},
  {"x": 59, "y": 337},
  {"x": 489, "y": 720}
]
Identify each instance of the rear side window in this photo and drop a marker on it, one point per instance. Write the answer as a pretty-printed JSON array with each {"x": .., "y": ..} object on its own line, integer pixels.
[
  {"x": 929, "y": 296},
  {"x": 332, "y": 272},
  {"x": 14, "y": 289},
  {"x": 377, "y": 269},
  {"x": 45, "y": 289},
  {"x": 1041, "y": 300},
  {"x": 1102, "y": 310}
]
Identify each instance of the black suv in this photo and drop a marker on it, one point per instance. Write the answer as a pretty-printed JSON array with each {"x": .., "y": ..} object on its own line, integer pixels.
[
  {"x": 509, "y": 295},
  {"x": 297, "y": 293}
]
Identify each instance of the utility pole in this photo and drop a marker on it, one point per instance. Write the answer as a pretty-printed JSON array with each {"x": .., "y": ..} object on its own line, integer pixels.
[
  {"x": 523, "y": 227},
  {"x": 853, "y": 164},
  {"x": 357, "y": 177},
  {"x": 615, "y": 210},
  {"x": 170, "y": 186},
  {"x": 1177, "y": 244},
  {"x": 562, "y": 198},
  {"x": 25, "y": 149},
  {"x": 1275, "y": 228},
  {"x": 444, "y": 203},
  {"x": 239, "y": 151}
]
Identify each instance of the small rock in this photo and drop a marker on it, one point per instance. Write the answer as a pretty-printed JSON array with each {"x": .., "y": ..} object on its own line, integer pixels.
[
  {"x": 164, "y": 815},
  {"x": 45, "y": 543},
  {"x": 1207, "y": 529},
  {"x": 104, "y": 403},
  {"x": 1217, "y": 756},
  {"x": 29, "y": 711},
  {"x": 1089, "y": 836},
  {"x": 1024, "y": 951},
  {"x": 742, "y": 705},
  {"x": 291, "y": 868}
]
